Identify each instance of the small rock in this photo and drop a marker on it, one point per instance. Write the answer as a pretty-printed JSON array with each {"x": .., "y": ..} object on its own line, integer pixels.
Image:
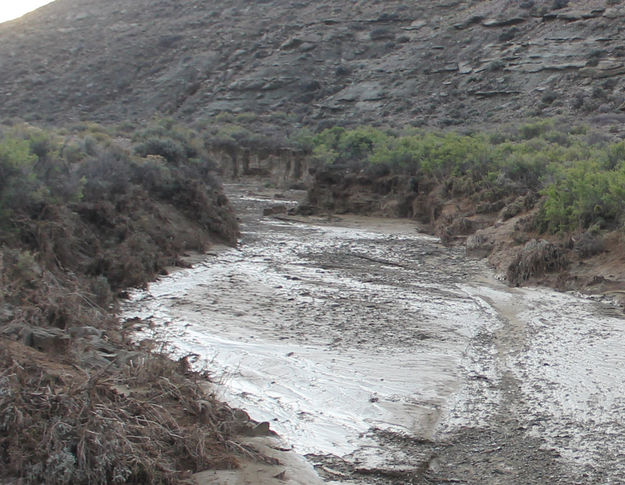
[
  {"x": 381, "y": 34},
  {"x": 475, "y": 19},
  {"x": 597, "y": 12},
  {"x": 464, "y": 68},
  {"x": 46, "y": 339},
  {"x": 260, "y": 429},
  {"x": 571, "y": 15},
  {"x": 86, "y": 331},
  {"x": 416, "y": 25},
  {"x": 503, "y": 22},
  {"x": 280, "y": 476},
  {"x": 275, "y": 210},
  {"x": 292, "y": 43},
  {"x": 307, "y": 47},
  {"x": 613, "y": 13}
]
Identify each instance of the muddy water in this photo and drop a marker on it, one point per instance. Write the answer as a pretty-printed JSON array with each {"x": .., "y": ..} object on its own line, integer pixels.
[{"x": 386, "y": 358}]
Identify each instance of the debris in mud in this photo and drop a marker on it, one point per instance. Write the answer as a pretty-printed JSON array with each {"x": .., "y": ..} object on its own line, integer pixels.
[
  {"x": 479, "y": 245},
  {"x": 588, "y": 244},
  {"x": 535, "y": 259},
  {"x": 278, "y": 209}
]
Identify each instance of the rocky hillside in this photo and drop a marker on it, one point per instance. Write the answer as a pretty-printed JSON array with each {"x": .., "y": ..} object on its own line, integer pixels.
[{"x": 437, "y": 62}]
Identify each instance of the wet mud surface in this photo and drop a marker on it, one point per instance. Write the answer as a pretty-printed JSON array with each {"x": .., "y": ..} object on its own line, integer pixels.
[{"x": 384, "y": 357}]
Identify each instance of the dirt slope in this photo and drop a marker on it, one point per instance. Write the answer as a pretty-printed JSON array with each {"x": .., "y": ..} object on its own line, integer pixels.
[{"x": 436, "y": 62}]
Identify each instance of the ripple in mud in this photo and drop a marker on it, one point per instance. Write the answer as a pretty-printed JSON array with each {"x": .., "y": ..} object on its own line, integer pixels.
[{"x": 387, "y": 358}]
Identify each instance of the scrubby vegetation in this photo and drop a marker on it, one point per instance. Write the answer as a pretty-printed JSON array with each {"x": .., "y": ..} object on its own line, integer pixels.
[
  {"x": 103, "y": 207},
  {"x": 579, "y": 174},
  {"x": 64, "y": 425},
  {"x": 246, "y": 130},
  {"x": 86, "y": 212}
]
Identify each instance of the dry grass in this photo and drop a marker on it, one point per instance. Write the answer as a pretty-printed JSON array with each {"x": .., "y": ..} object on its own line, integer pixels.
[
  {"x": 535, "y": 259},
  {"x": 79, "y": 404},
  {"x": 61, "y": 424}
]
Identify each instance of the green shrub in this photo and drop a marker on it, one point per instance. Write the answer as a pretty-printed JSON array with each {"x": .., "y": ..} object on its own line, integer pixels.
[
  {"x": 19, "y": 185},
  {"x": 581, "y": 179},
  {"x": 229, "y": 134},
  {"x": 174, "y": 142},
  {"x": 584, "y": 195},
  {"x": 72, "y": 153},
  {"x": 533, "y": 130},
  {"x": 245, "y": 117},
  {"x": 359, "y": 144},
  {"x": 304, "y": 140},
  {"x": 167, "y": 148}
]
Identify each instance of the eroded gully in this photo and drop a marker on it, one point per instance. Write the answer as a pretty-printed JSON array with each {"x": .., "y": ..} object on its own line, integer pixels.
[{"x": 384, "y": 357}]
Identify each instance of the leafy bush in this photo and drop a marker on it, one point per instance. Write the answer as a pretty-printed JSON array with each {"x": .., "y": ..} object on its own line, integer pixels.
[
  {"x": 175, "y": 143},
  {"x": 167, "y": 148},
  {"x": 16, "y": 159},
  {"x": 229, "y": 134},
  {"x": 534, "y": 130},
  {"x": 20, "y": 187},
  {"x": 582, "y": 178},
  {"x": 584, "y": 194},
  {"x": 52, "y": 186}
]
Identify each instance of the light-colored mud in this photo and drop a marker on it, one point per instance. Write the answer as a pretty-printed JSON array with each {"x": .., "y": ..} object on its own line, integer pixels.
[{"x": 386, "y": 358}]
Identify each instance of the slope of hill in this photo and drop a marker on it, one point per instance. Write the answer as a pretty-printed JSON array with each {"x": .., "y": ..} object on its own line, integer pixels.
[
  {"x": 298, "y": 64},
  {"x": 438, "y": 62}
]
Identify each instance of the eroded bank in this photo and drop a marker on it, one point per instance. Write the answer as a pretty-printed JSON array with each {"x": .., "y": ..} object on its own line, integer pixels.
[{"x": 385, "y": 357}]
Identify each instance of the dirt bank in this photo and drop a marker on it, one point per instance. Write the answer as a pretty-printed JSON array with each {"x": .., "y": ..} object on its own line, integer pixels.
[
  {"x": 79, "y": 401},
  {"x": 500, "y": 230}
]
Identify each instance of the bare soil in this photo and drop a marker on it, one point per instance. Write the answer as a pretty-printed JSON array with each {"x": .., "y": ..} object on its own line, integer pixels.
[{"x": 440, "y": 62}]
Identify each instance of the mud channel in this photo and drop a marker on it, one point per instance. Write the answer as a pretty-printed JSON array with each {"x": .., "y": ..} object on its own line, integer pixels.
[{"x": 383, "y": 357}]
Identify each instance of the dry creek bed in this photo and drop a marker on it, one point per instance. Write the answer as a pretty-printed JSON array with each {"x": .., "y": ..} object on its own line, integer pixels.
[{"x": 383, "y": 357}]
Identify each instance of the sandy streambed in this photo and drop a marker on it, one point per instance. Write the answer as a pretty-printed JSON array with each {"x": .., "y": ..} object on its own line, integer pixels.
[{"x": 384, "y": 357}]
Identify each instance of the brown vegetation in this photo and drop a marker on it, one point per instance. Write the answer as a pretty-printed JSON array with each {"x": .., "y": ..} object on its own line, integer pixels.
[
  {"x": 145, "y": 422},
  {"x": 535, "y": 259},
  {"x": 78, "y": 403}
]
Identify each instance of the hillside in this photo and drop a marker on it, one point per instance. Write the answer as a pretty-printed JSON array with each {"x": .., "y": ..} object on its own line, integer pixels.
[
  {"x": 493, "y": 124},
  {"x": 443, "y": 62}
]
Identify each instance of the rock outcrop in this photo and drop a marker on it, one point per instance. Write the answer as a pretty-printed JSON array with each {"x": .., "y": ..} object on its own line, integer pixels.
[
  {"x": 443, "y": 62},
  {"x": 282, "y": 166}
]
